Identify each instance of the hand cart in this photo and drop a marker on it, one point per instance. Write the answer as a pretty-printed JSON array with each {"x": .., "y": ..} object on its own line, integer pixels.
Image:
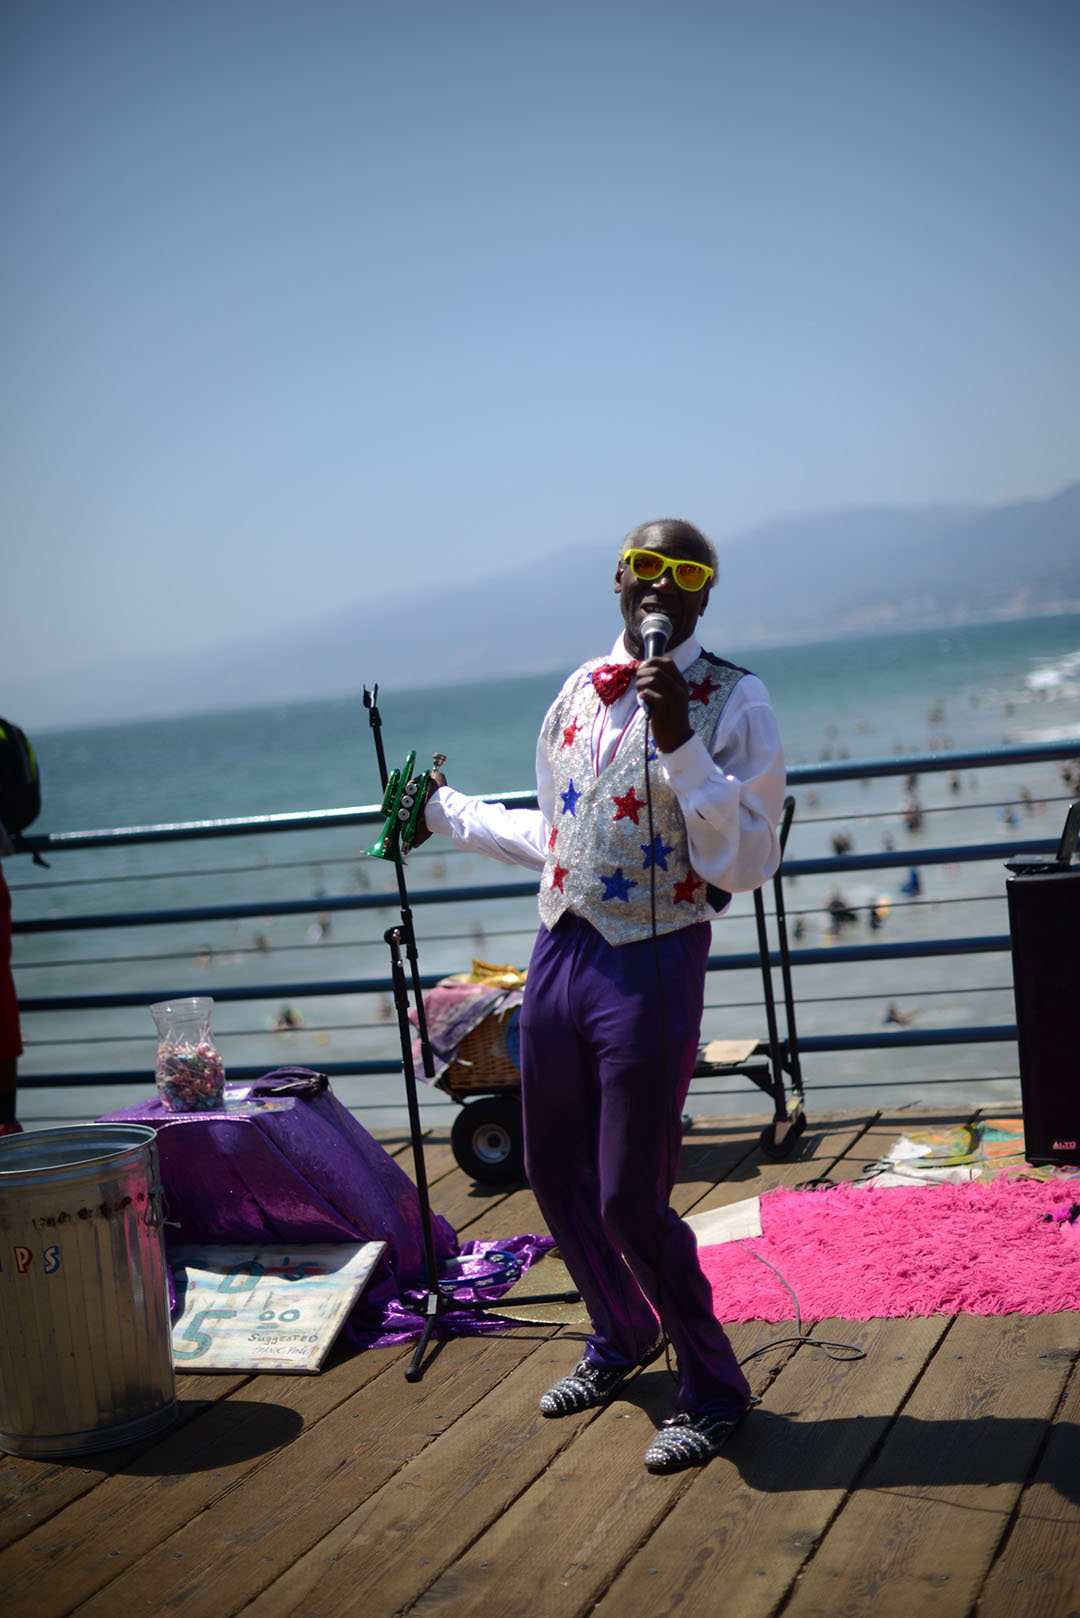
[{"x": 768, "y": 1061}]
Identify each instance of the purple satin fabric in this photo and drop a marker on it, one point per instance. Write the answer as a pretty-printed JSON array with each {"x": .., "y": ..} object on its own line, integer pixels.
[{"x": 293, "y": 1165}]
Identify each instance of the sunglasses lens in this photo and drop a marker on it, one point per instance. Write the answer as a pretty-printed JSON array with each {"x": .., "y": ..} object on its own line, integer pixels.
[
  {"x": 690, "y": 575},
  {"x": 645, "y": 564},
  {"x": 649, "y": 565}
]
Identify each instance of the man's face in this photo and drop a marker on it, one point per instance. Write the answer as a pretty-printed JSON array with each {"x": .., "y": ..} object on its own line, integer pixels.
[{"x": 638, "y": 597}]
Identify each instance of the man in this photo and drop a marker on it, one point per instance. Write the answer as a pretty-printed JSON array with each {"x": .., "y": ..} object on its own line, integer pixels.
[{"x": 643, "y": 832}]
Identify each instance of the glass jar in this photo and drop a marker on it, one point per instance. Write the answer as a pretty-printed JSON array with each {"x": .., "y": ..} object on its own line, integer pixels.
[{"x": 189, "y": 1072}]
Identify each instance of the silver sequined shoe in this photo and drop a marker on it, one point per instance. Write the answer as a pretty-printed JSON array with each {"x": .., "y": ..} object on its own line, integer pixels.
[
  {"x": 687, "y": 1440},
  {"x": 589, "y": 1384}
]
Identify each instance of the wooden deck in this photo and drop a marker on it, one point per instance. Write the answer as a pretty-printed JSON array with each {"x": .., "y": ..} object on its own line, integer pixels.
[{"x": 940, "y": 1474}]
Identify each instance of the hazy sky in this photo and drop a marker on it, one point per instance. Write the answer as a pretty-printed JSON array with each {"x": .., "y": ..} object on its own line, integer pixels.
[{"x": 302, "y": 300}]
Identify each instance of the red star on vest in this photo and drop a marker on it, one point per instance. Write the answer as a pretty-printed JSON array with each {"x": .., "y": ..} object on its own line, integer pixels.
[
  {"x": 558, "y": 874},
  {"x": 551, "y": 839},
  {"x": 684, "y": 890},
  {"x": 702, "y": 690},
  {"x": 570, "y": 732},
  {"x": 626, "y": 807}
]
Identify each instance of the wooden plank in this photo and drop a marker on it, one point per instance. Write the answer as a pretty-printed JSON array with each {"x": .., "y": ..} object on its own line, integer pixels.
[
  {"x": 395, "y": 1142},
  {"x": 587, "y": 1504},
  {"x": 201, "y": 1561},
  {"x": 708, "y": 1156},
  {"x": 826, "y": 1142},
  {"x": 921, "y": 1531},
  {"x": 32, "y": 1491},
  {"x": 104, "y": 1531},
  {"x": 439, "y": 1160},
  {"x": 1036, "y": 1574},
  {"x": 746, "y": 1523},
  {"x": 396, "y": 1544},
  {"x": 513, "y": 1214},
  {"x": 462, "y": 1203},
  {"x": 582, "y": 1518}
]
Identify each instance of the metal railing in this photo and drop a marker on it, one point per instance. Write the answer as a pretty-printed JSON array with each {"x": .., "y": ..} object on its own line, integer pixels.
[{"x": 145, "y": 950}]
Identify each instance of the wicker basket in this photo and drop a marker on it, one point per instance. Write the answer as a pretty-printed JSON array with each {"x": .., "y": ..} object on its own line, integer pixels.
[{"x": 483, "y": 1062}]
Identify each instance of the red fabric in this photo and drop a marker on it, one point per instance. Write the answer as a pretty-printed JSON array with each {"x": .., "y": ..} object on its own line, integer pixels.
[
  {"x": 610, "y": 680},
  {"x": 10, "y": 1041}
]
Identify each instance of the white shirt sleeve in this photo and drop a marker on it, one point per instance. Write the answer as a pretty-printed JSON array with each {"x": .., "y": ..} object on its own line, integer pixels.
[
  {"x": 732, "y": 792},
  {"x": 515, "y": 836}
]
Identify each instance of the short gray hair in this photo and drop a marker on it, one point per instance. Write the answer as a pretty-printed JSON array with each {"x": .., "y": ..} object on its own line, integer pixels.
[{"x": 674, "y": 528}]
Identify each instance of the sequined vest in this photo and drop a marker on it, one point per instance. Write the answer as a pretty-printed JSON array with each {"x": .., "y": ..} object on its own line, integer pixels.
[{"x": 600, "y": 861}]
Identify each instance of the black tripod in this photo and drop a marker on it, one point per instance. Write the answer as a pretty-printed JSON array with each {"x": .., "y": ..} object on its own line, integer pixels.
[{"x": 438, "y": 1301}]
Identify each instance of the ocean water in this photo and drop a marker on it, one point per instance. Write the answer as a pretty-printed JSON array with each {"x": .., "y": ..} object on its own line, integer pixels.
[
  {"x": 868, "y": 696},
  {"x": 876, "y": 696}
]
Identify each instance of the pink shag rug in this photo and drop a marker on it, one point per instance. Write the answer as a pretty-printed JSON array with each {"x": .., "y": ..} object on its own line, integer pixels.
[{"x": 1003, "y": 1247}]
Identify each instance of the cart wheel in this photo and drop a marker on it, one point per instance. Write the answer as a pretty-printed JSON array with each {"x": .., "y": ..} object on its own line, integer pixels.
[
  {"x": 777, "y": 1149},
  {"x": 487, "y": 1141}
]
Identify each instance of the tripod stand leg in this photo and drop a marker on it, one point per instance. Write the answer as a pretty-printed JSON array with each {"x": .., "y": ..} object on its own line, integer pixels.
[
  {"x": 414, "y": 1370},
  {"x": 394, "y": 938}
]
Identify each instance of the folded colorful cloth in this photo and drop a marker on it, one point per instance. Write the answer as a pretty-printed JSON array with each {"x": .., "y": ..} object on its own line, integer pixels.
[{"x": 452, "y": 1009}]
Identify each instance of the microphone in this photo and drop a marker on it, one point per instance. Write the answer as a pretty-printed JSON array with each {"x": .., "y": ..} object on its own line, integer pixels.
[{"x": 656, "y": 630}]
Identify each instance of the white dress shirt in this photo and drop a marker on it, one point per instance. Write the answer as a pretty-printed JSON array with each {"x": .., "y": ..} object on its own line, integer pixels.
[{"x": 731, "y": 792}]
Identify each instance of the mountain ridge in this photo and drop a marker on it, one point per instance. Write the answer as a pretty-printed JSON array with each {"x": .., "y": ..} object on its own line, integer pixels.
[{"x": 808, "y": 577}]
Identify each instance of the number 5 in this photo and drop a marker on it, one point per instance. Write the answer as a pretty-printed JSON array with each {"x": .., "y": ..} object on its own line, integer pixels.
[{"x": 201, "y": 1338}]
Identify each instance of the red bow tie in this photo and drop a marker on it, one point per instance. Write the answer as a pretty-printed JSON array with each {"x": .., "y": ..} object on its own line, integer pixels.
[{"x": 610, "y": 680}]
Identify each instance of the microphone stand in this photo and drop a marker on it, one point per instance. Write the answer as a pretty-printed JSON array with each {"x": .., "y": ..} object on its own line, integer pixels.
[{"x": 437, "y": 1301}]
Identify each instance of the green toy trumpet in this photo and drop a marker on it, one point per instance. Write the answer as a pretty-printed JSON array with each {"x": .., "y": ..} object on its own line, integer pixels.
[{"x": 403, "y": 806}]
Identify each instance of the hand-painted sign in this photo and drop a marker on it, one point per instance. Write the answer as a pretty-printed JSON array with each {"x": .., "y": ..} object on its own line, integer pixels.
[{"x": 267, "y": 1308}]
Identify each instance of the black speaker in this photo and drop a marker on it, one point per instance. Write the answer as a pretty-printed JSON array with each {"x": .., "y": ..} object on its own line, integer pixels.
[{"x": 1044, "y": 923}]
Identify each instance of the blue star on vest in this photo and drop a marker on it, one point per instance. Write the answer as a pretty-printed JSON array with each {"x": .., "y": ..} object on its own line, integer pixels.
[
  {"x": 656, "y": 853},
  {"x": 570, "y": 799},
  {"x": 617, "y": 886}
]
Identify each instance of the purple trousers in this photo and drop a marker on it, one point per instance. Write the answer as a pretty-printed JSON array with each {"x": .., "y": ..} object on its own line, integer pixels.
[{"x": 605, "y": 1068}]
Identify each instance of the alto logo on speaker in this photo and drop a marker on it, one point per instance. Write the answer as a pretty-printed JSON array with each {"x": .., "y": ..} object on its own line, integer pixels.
[{"x": 1064, "y": 1146}]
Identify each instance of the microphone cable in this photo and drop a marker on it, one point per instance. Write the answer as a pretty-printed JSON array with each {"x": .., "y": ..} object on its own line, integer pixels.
[
  {"x": 665, "y": 1067},
  {"x": 659, "y": 624},
  {"x": 832, "y": 1349}
]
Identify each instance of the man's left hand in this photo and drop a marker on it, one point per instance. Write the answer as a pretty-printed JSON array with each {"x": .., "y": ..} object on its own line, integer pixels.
[
  {"x": 667, "y": 701},
  {"x": 435, "y": 780}
]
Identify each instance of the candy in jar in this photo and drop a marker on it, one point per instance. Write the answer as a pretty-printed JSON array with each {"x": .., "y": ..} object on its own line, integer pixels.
[{"x": 190, "y": 1074}]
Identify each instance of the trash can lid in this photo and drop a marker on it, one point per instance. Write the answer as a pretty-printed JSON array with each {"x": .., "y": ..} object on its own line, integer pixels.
[{"x": 70, "y": 1146}]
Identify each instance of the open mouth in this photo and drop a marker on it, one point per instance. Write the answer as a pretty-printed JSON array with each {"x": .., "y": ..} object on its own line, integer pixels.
[{"x": 648, "y": 607}]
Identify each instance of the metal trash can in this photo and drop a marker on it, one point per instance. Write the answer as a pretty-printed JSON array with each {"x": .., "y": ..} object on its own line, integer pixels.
[
  {"x": 1044, "y": 927},
  {"x": 85, "y": 1341}
]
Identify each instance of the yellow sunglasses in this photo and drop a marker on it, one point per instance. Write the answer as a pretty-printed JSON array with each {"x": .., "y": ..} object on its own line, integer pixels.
[{"x": 646, "y": 565}]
